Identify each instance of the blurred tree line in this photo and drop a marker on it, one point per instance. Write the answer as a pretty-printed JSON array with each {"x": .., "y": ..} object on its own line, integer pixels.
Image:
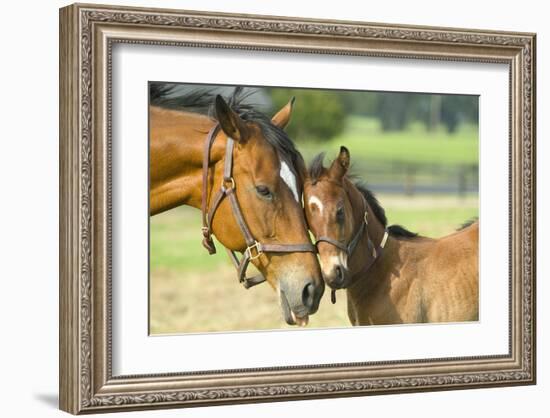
[{"x": 321, "y": 114}]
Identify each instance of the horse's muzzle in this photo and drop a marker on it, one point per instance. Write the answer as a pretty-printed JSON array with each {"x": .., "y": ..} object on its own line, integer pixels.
[{"x": 299, "y": 300}]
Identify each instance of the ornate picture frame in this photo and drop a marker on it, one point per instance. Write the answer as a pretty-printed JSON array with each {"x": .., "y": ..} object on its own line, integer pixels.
[{"x": 87, "y": 35}]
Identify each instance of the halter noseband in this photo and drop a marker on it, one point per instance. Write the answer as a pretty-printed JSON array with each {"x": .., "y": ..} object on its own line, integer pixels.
[
  {"x": 254, "y": 248},
  {"x": 350, "y": 248}
]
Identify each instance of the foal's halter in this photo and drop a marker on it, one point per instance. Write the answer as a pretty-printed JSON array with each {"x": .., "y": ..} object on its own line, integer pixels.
[
  {"x": 253, "y": 247},
  {"x": 352, "y": 245}
]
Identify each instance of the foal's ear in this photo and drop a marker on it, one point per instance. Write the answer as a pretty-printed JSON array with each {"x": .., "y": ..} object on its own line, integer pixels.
[
  {"x": 230, "y": 122},
  {"x": 282, "y": 117},
  {"x": 340, "y": 165}
]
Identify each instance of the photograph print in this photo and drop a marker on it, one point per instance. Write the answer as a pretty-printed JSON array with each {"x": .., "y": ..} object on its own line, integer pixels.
[{"x": 280, "y": 208}]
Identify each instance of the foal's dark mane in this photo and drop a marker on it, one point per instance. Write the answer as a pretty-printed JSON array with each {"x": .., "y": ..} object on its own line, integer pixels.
[
  {"x": 468, "y": 223},
  {"x": 396, "y": 231},
  {"x": 201, "y": 100},
  {"x": 316, "y": 169}
]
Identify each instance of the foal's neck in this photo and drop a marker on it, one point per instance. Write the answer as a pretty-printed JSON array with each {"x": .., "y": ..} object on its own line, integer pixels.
[
  {"x": 375, "y": 230},
  {"x": 395, "y": 254}
]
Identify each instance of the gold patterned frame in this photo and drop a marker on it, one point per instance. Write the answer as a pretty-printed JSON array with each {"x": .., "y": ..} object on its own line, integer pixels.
[{"x": 87, "y": 34}]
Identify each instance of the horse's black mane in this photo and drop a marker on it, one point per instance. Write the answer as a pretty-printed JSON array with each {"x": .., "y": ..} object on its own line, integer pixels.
[
  {"x": 201, "y": 100},
  {"x": 316, "y": 169}
]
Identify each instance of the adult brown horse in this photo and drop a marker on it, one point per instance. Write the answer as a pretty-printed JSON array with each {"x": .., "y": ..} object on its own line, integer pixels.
[
  {"x": 250, "y": 194},
  {"x": 391, "y": 275}
]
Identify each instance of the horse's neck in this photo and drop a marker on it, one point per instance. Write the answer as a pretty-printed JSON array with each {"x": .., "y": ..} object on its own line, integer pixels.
[{"x": 176, "y": 158}]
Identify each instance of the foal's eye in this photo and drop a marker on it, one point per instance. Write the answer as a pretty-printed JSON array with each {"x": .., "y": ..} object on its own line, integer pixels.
[
  {"x": 340, "y": 214},
  {"x": 264, "y": 192}
]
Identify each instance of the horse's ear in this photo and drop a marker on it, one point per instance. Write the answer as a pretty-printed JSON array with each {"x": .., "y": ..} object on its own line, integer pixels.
[
  {"x": 282, "y": 117},
  {"x": 231, "y": 123},
  {"x": 340, "y": 165}
]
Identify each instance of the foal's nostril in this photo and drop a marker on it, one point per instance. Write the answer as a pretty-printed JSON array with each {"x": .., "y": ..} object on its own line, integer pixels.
[
  {"x": 308, "y": 295},
  {"x": 339, "y": 274}
]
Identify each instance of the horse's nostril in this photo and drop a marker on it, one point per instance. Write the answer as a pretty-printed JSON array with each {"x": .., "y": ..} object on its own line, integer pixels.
[{"x": 308, "y": 295}]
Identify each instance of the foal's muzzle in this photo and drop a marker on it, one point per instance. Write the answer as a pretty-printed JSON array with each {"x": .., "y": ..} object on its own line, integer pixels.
[{"x": 338, "y": 278}]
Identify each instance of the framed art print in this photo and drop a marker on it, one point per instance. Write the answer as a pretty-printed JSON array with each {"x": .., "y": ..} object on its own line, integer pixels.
[{"x": 259, "y": 208}]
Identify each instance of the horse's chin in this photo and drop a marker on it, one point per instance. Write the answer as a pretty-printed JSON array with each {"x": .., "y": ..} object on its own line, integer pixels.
[
  {"x": 292, "y": 318},
  {"x": 300, "y": 321}
]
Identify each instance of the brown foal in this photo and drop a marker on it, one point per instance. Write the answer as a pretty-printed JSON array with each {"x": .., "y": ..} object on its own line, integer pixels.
[
  {"x": 266, "y": 174},
  {"x": 392, "y": 276}
]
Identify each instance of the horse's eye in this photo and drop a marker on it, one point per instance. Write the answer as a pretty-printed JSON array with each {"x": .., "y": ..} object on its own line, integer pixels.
[
  {"x": 340, "y": 214},
  {"x": 264, "y": 192}
]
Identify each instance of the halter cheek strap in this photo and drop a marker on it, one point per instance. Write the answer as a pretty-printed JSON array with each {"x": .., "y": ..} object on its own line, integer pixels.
[
  {"x": 352, "y": 245},
  {"x": 349, "y": 248},
  {"x": 376, "y": 252},
  {"x": 254, "y": 248},
  {"x": 207, "y": 241}
]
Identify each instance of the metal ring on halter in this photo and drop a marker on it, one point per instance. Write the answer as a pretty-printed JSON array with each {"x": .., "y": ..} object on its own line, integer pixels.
[
  {"x": 229, "y": 180},
  {"x": 258, "y": 248},
  {"x": 365, "y": 217}
]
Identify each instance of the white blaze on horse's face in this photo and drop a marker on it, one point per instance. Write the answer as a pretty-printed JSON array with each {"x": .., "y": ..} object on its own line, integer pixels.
[
  {"x": 290, "y": 179},
  {"x": 315, "y": 201}
]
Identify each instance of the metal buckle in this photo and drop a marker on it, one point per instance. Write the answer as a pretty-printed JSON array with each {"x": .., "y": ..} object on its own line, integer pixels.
[
  {"x": 365, "y": 218},
  {"x": 226, "y": 181},
  {"x": 258, "y": 248}
]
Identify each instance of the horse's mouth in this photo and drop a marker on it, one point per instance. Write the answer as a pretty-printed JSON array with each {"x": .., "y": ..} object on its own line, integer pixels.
[
  {"x": 292, "y": 318},
  {"x": 300, "y": 321}
]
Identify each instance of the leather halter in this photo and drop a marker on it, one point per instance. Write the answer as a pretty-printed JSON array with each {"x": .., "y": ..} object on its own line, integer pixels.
[
  {"x": 254, "y": 248},
  {"x": 376, "y": 252},
  {"x": 349, "y": 248}
]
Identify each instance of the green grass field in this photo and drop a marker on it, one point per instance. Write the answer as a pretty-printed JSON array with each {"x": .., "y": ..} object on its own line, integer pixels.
[
  {"x": 368, "y": 143},
  {"x": 176, "y": 237},
  {"x": 192, "y": 291}
]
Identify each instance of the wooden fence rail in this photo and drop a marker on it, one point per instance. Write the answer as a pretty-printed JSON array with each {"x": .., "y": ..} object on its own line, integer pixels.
[{"x": 414, "y": 178}]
